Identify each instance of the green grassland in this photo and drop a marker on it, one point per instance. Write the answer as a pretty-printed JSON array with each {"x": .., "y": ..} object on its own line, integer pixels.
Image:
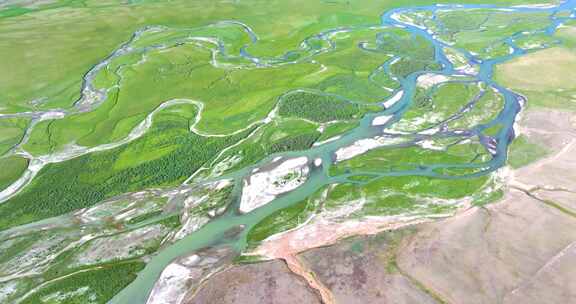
[
  {"x": 11, "y": 132},
  {"x": 349, "y": 70},
  {"x": 482, "y": 31},
  {"x": 486, "y": 108},
  {"x": 233, "y": 95},
  {"x": 282, "y": 35},
  {"x": 301, "y": 113},
  {"x": 284, "y": 219},
  {"x": 427, "y": 186},
  {"x": 14, "y": 8},
  {"x": 536, "y": 41},
  {"x": 335, "y": 129},
  {"x": 184, "y": 72},
  {"x": 436, "y": 104},
  {"x": 281, "y": 135},
  {"x": 384, "y": 197},
  {"x": 12, "y": 169},
  {"x": 59, "y": 59}
]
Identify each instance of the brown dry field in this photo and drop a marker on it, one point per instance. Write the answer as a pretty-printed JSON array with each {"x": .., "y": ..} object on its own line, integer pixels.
[{"x": 539, "y": 71}]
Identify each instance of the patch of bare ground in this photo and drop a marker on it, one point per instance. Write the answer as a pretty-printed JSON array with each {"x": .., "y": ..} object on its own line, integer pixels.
[
  {"x": 551, "y": 180},
  {"x": 483, "y": 255},
  {"x": 321, "y": 232},
  {"x": 519, "y": 250},
  {"x": 263, "y": 283},
  {"x": 299, "y": 268},
  {"x": 362, "y": 270}
]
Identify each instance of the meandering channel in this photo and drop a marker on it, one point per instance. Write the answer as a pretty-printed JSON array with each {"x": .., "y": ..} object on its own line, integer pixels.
[{"x": 214, "y": 231}]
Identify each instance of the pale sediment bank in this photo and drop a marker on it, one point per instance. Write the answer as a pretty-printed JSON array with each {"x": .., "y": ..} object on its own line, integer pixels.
[
  {"x": 394, "y": 99},
  {"x": 323, "y": 232},
  {"x": 429, "y": 80},
  {"x": 298, "y": 268},
  {"x": 364, "y": 145}
]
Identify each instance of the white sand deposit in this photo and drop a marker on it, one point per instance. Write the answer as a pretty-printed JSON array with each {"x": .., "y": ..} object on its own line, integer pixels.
[
  {"x": 393, "y": 100},
  {"x": 262, "y": 187},
  {"x": 381, "y": 120},
  {"x": 429, "y": 80},
  {"x": 169, "y": 287}
]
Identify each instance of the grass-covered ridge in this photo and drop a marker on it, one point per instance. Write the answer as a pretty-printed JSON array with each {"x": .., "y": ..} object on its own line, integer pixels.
[
  {"x": 165, "y": 156},
  {"x": 98, "y": 285},
  {"x": 11, "y": 133},
  {"x": 12, "y": 168}
]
